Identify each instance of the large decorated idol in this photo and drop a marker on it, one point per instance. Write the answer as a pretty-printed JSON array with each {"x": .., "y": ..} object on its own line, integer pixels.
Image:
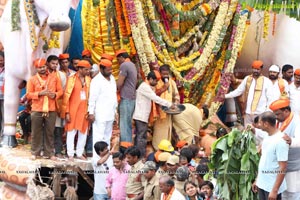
[{"x": 30, "y": 29}]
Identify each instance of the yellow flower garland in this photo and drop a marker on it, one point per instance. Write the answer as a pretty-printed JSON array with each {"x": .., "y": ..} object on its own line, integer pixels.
[
  {"x": 95, "y": 35},
  {"x": 237, "y": 42}
]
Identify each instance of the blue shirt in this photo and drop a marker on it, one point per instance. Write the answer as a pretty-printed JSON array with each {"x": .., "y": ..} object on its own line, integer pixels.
[{"x": 274, "y": 149}]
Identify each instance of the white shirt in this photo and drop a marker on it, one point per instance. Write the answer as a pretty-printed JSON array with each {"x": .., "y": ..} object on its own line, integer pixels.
[
  {"x": 175, "y": 196},
  {"x": 103, "y": 98},
  {"x": 259, "y": 136},
  {"x": 274, "y": 150},
  {"x": 294, "y": 98},
  {"x": 100, "y": 174},
  {"x": 276, "y": 90},
  {"x": 265, "y": 100},
  {"x": 144, "y": 95}
]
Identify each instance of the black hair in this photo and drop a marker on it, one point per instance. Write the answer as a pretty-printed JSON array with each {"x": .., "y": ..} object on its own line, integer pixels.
[
  {"x": 204, "y": 160},
  {"x": 189, "y": 182},
  {"x": 202, "y": 169},
  {"x": 89, "y": 60},
  {"x": 170, "y": 182},
  {"x": 269, "y": 117},
  {"x": 2, "y": 54},
  {"x": 100, "y": 146},
  {"x": 221, "y": 132},
  {"x": 118, "y": 155},
  {"x": 205, "y": 111},
  {"x": 151, "y": 75},
  {"x": 52, "y": 57},
  {"x": 76, "y": 58},
  {"x": 133, "y": 151},
  {"x": 208, "y": 183},
  {"x": 186, "y": 152},
  {"x": 124, "y": 55},
  {"x": 286, "y": 108},
  {"x": 256, "y": 119},
  {"x": 194, "y": 149},
  {"x": 102, "y": 67},
  {"x": 164, "y": 67},
  {"x": 286, "y": 67},
  {"x": 161, "y": 163}
]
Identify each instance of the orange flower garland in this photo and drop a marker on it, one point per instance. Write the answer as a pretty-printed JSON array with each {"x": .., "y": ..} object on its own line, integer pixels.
[
  {"x": 274, "y": 24},
  {"x": 121, "y": 21}
]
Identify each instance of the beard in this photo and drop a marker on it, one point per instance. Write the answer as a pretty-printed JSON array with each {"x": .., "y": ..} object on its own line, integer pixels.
[
  {"x": 256, "y": 74},
  {"x": 273, "y": 77},
  {"x": 106, "y": 74}
]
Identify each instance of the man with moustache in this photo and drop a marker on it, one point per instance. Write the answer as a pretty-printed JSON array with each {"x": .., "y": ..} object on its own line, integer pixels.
[
  {"x": 280, "y": 86},
  {"x": 166, "y": 89},
  {"x": 258, "y": 92},
  {"x": 295, "y": 93},
  {"x": 64, "y": 62},
  {"x": 287, "y": 73},
  {"x": 43, "y": 89},
  {"x": 151, "y": 184},
  {"x": 134, "y": 185},
  {"x": 52, "y": 63},
  {"x": 103, "y": 102},
  {"x": 126, "y": 84},
  {"x": 117, "y": 177},
  {"x": 145, "y": 98},
  {"x": 288, "y": 123},
  {"x": 270, "y": 181},
  {"x": 74, "y": 108}
]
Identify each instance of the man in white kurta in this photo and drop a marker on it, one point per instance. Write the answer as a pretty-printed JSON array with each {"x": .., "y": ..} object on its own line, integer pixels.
[
  {"x": 103, "y": 103},
  {"x": 280, "y": 86},
  {"x": 295, "y": 93},
  {"x": 257, "y": 89},
  {"x": 289, "y": 123}
]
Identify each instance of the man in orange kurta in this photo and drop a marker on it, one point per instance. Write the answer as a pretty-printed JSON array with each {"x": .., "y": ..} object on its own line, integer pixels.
[
  {"x": 74, "y": 108},
  {"x": 43, "y": 89}
]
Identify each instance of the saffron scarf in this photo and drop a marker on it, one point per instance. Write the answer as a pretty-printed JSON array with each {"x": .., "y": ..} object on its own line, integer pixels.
[
  {"x": 168, "y": 196},
  {"x": 154, "y": 115},
  {"x": 43, "y": 84},
  {"x": 167, "y": 95},
  {"x": 257, "y": 91},
  {"x": 285, "y": 123}
]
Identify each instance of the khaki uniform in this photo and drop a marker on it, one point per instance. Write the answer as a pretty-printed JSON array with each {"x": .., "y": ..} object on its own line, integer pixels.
[
  {"x": 159, "y": 173},
  {"x": 134, "y": 184},
  {"x": 151, "y": 189}
]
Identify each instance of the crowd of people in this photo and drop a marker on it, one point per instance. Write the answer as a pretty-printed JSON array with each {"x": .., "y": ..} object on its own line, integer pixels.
[
  {"x": 271, "y": 106},
  {"x": 84, "y": 99},
  {"x": 77, "y": 97}
]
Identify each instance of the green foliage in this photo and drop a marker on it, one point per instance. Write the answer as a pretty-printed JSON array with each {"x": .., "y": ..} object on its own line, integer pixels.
[
  {"x": 235, "y": 160},
  {"x": 289, "y": 7}
]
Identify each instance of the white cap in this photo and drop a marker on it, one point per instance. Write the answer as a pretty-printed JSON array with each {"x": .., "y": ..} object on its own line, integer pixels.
[{"x": 274, "y": 68}]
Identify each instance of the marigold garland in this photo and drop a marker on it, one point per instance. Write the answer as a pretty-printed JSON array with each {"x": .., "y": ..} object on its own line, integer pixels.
[
  {"x": 266, "y": 24},
  {"x": 120, "y": 19}
]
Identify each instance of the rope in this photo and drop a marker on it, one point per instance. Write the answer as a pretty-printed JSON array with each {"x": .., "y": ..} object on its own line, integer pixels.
[
  {"x": 39, "y": 192},
  {"x": 70, "y": 193}
]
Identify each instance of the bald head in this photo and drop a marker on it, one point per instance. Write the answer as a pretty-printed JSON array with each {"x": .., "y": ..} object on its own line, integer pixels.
[
  {"x": 268, "y": 117},
  {"x": 166, "y": 184}
]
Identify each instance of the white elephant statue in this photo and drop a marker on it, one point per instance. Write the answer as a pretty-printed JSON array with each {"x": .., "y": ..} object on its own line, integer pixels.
[{"x": 25, "y": 45}]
